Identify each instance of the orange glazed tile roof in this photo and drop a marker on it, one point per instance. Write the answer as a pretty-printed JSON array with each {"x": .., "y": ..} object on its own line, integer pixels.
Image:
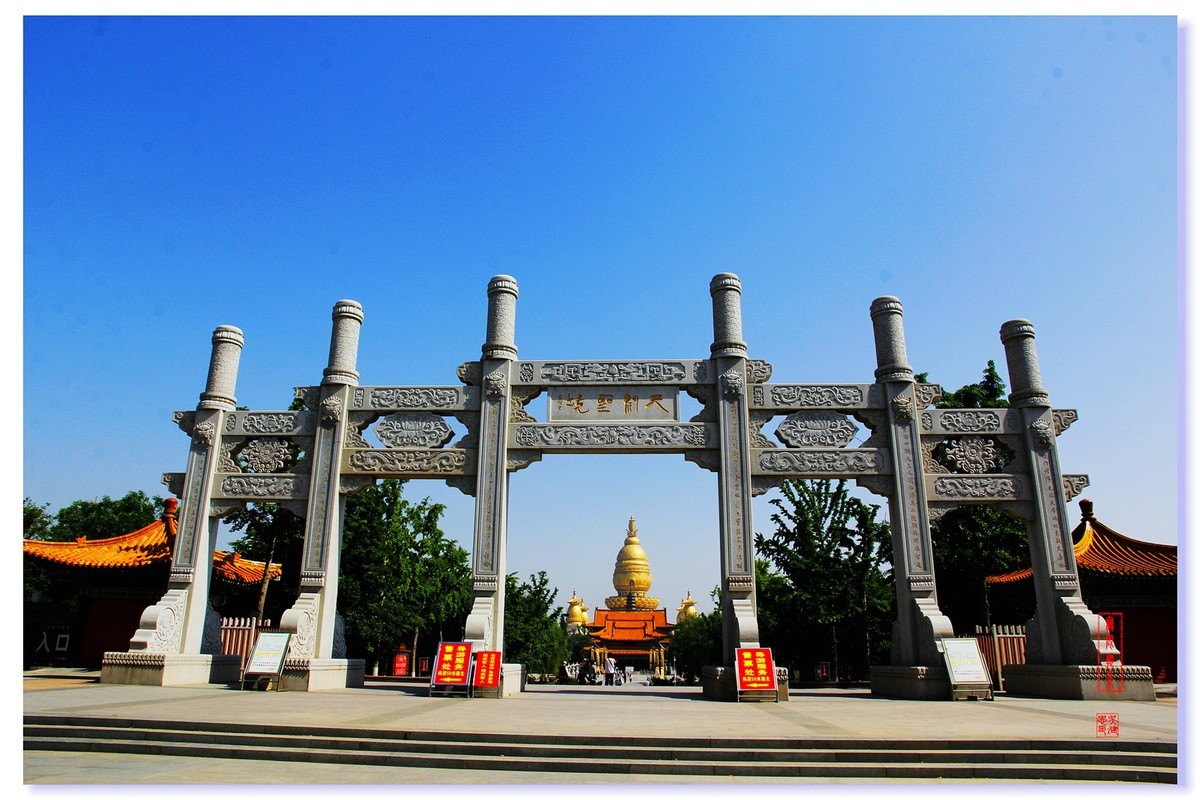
[
  {"x": 143, "y": 547},
  {"x": 630, "y": 626},
  {"x": 1101, "y": 549}
]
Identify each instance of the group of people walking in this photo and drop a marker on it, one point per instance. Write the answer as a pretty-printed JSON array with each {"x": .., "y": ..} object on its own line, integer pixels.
[{"x": 585, "y": 672}]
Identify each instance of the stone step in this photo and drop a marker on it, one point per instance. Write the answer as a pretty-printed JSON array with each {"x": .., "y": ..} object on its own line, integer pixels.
[{"x": 425, "y": 749}]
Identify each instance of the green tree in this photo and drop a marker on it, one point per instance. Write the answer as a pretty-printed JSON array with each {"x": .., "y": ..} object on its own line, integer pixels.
[
  {"x": 39, "y": 522},
  {"x": 971, "y": 542},
  {"x": 696, "y": 643},
  {"x": 535, "y": 631},
  {"x": 273, "y": 535},
  {"x": 835, "y": 556},
  {"x": 106, "y": 517},
  {"x": 399, "y": 577}
]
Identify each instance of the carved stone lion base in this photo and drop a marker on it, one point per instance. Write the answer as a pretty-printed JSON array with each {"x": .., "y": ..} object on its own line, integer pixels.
[
  {"x": 1073, "y": 682},
  {"x": 910, "y": 683},
  {"x": 168, "y": 669}
]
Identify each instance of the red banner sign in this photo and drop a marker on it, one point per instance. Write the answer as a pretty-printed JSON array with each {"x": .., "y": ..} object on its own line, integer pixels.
[
  {"x": 755, "y": 668},
  {"x": 1110, "y": 630},
  {"x": 487, "y": 669},
  {"x": 451, "y": 666}
]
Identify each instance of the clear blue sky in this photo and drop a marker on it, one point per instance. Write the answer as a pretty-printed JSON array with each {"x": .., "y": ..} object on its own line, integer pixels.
[{"x": 182, "y": 173}]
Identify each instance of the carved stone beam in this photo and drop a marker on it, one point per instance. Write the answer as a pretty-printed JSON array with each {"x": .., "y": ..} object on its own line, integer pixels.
[
  {"x": 408, "y": 462},
  {"x": 815, "y": 396},
  {"x": 681, "y": 372},
  {"x": 821, "y": 462},
  {"x": 438, "y": 399},
  {"x": 262, "y": 487},
  {"x": 270, "y": 423},
  {"x": 673, "y": 437},
  {"x": 983, "y": 488},
  {"x": 950, "y": 421}
]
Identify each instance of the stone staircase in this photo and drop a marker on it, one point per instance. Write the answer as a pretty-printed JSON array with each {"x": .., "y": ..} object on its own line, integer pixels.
[{"x": 898, "y": 759}]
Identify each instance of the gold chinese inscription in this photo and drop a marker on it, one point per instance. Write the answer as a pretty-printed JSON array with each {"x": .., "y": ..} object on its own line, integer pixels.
[{"x": 614, "y": 404}]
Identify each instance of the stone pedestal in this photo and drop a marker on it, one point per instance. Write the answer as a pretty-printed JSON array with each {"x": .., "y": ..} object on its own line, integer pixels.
[
  {"x": 910, "y": 683},
  {"x": 512, "y": 681},
  {"x": 168, "y": 669},
  {"x": 316, "y": 674},
  {"x": 1073, "y": 682},
  {"x": 720, "y": 683}
]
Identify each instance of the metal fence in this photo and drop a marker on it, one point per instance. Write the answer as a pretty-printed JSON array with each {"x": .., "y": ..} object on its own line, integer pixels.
[{"x": 1001, "y": 645}]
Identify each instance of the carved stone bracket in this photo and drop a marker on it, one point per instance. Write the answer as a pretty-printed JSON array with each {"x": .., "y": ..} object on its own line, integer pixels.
[
  {"x": 350, "y": 484},
  {"x": 186, "y": 420},
  {"x": 174, "y": 482},
  {"x": 757, "y": 370},
  {"x": 520, "y": 400},
  {"x": 757, "y": 420},
  {"x": 464, "y": 483},
  {"x": 706, "y": 396},
  {"x": 761, "y": 484},
  {"x": 706, "y": 459},
  {"x": 882, "y": 485},
  {"x": 927, "y": 394},
  {"x": 309, "y": 396},
  {"x": 1073, "y": 485},
  {"x": 1063, "y": 417},
  {"x": 470, "y": 373},
  {"x": 356, "y": 423},
  {"x": 939, "y": 510},
  {"x": 520, "y": 459}
]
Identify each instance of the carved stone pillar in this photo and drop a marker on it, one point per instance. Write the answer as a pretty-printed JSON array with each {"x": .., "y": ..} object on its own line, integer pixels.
[
  {"x": 312, "y": 620},
  {"x": 920, "y": 623},
  {"x": 739, "y": 616},
  {"x": 485, "y": 622},
  {"x": 1063, "y": 631},
  {"x": 175, "y": 640}
]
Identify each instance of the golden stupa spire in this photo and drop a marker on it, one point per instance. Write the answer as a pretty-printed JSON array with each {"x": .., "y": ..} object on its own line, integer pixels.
[
  {"x": 631, "y": 576},
  {"x": 576, "y": 610},
  {"x": 686, "y": 609}
]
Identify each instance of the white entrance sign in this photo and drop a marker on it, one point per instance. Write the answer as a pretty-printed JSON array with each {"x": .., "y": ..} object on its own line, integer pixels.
[
  {"x": 269, "y": 652},
  {"x": 965, "y": 662}
]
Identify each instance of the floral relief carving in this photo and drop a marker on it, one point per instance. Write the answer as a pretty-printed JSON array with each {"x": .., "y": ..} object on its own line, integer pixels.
[
  {"x": 267, "y": 455},
  {"x": 816, "y": 429},
  {"x": 832, "y": 463},
  {"x": 970, "y": 421},
  {"x": 815, "y": 395},
  {"x": 414, "y": 397},
  {"x": 973, "y": 454},
  {"x": 413, "y": 429}
]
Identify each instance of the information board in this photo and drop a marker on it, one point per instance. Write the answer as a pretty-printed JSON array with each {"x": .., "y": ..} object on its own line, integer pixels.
[
  {"x": 487, "y": 669},
  {"x": 755, "y": 668},
  {"x": 270, "y": 650},
  {"x": 452, "y": 665},
  {"x": 965, "y": 662}
]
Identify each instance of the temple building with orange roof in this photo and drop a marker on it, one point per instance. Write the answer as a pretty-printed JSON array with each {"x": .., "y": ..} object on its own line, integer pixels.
[
  {"x": 1119, "y": 575},
  {"x": 632, "y": 629},
  {"x": 116, "y": 575}
]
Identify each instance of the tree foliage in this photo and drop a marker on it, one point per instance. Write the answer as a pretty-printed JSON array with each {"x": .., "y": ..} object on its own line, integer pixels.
[
  {"x": 834, "y": 556},
  {"x": 972, "y": 542},
  {"x": 535, "y": 633},
  {"x": 93, "y": 519},
  {"x": 400, "y": 578},
  {"x": 273, "y": 535},
  {"x": 696, "y": 643}
]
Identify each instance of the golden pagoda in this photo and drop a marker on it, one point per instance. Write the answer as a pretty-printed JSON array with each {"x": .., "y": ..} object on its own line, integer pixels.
[
  {"x": 686, "y": 609},
  {"x": 576, "y": 614},
  {"x": 632, "y": 629}
]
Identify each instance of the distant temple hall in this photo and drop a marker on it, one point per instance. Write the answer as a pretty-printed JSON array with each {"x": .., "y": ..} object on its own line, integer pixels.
[{"x": 632, "y": 629}]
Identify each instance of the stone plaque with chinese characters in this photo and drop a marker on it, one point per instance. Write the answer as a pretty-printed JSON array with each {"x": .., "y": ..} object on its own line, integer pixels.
[{"x": 614, "y": 404}]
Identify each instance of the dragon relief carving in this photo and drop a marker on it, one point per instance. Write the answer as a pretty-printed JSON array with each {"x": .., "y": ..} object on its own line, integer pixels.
[
  {"x": 414, "y": 397},
  {"x": 816, "y": 395},
  {"x": 964, "y": 487},
  {"x": 970, "y": 421},
  {"x": 407, "y": 461}
]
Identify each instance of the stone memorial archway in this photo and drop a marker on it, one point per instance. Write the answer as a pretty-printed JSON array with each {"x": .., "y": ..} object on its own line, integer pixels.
[{"x": 922, "y": 459}]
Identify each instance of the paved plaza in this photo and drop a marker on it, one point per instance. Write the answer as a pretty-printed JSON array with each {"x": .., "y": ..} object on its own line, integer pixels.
[{"x": 629, "y": 710}]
